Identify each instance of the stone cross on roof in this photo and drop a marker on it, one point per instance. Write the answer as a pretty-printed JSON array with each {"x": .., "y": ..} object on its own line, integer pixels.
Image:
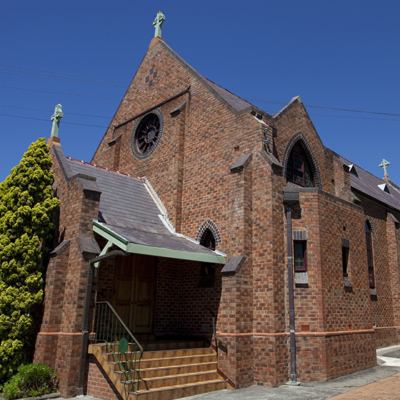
[
  {"x": 384, "y": 164},
  {"x": 56, "y": 117},
  {"x": 160, "y": 18}
]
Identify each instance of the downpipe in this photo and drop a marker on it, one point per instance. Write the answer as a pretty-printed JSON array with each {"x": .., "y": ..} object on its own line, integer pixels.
[
  {"x": 293, "y": 375},
  {"x": 86, "y": 309}
]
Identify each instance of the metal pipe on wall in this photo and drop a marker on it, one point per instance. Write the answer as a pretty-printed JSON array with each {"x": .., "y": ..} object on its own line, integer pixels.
[{"x": 86, "y": 309}]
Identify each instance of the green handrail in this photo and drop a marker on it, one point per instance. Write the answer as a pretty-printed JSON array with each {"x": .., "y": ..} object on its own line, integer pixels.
[{"x": 109, "y": 328}]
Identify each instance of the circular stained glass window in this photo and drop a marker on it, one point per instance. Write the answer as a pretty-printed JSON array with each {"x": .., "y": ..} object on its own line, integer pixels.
[{"x": 147, "y": 134}]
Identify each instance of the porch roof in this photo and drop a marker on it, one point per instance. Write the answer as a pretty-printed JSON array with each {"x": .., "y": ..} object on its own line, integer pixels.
[
  {"x": 132, "y": 217},
  {"x": 155, "y": 244}
]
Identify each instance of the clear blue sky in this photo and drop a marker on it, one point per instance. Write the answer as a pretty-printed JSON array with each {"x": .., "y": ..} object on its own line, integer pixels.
[{"x": 342, "y": 54}]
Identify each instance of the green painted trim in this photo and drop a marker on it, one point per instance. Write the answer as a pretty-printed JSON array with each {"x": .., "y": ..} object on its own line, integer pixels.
[
  {"x": 155, "y": 251},
  {"x": 104, "y": 251},
  {"x": 178, "y": 254},
  {"x": 110, "y": 236}
]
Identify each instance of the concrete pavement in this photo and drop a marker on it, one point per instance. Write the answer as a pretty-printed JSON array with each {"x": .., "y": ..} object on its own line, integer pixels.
[{"x": 378, "y": 383}]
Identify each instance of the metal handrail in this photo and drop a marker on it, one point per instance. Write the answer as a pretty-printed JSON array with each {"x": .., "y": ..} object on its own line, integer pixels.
[
  {"x": 217, "y": 339},
  {"x": 109, "y": 328}
]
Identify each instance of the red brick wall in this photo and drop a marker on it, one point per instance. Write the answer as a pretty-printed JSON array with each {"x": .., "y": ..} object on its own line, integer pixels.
[
  {"x": 59, "y": 340},
  {"x": 99, "y": 385},
  {"x": 180, "y": 305},
  {"x": 190, "y": 171}
]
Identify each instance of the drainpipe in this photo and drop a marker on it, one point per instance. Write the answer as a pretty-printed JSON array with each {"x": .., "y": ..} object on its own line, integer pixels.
[
  {"x": 289, "y": 199},
  {"x": 86, "y": 309}
]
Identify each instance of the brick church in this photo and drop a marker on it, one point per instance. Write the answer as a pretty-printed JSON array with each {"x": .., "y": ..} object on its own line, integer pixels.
[{"x": 169, "y": 275}]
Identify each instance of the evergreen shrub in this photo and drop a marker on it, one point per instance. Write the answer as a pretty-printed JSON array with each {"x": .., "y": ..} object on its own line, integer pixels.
[
  {"x": 32, "y": 380},
  {"x": 27, "y": 208}
]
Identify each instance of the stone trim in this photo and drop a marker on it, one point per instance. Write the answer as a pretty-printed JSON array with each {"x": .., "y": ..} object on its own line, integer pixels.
[
  {"x": 310, "y": 156},
  {"x": 371, "y": 224},
  {"x": 345, "y": 243},
  {"x": 392, "y": 217},
  {"x": 134, "y": 148},
  {"x": 175, "y": 112},
  {"x": 115, "y": 140},
  {"x": 312, "y": 334},
  {"x": 88, "y": 247},
  {"x": 62, "y": 161},
  {"x": 271, "y": 159},
  {"x": 60, "y": 248},
  {"x": 233, "y": 265},
  {"x": 299, "y": 235},
  {"x": 209, "y": 225},
  {"x": 240, "y": 163}
]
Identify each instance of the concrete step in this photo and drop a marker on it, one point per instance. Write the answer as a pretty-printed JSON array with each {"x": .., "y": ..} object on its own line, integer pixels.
[
  {"x": 176, "y": 392},
  {"x": 178, "y": 370},
  {"x": 177, "y": 380}
]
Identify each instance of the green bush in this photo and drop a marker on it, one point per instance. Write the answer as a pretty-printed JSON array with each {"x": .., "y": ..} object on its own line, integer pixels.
[
  {"x": 31, "y": 380},
  {"x": 27, "y": 208}
]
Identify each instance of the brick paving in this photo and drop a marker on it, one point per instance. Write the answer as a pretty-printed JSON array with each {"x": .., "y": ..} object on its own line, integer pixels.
[{"x": 384, "y": 389}]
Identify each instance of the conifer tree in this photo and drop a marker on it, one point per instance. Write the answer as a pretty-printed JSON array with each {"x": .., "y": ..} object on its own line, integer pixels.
[{"x": 27, "y": 208}]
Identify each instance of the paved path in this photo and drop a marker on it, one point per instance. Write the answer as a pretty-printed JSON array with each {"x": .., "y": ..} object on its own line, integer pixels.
[
  {"x": 384, "y": 389},
  {"x": 378, "y": 383}
]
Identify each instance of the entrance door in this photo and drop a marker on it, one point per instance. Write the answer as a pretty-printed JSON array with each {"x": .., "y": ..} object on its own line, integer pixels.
[{"x": 134, "y": 291}]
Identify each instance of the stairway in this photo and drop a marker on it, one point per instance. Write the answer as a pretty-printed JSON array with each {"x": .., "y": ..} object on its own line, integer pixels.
[{"x": 168, "y": 370}]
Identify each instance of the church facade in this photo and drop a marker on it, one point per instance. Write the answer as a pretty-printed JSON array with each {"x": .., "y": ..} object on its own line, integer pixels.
[{"x": 195, "y": 184}]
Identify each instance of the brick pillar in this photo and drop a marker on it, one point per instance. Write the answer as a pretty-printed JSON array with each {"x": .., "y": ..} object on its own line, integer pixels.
[
  {"x": 270, "y": 343},
  {"x": 180, "y": 115},
  {"x": 342, "y": 179},
  {"x": 59, "y": 341},
  {"x": 236, "y": 315},
  {"x": 393, "y": 240}
]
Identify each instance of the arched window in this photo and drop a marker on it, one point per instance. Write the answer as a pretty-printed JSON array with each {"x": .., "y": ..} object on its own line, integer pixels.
[
  {"x": 369, "y": 255},
  {"x": 207, "y": 273},
  {"x": 208, "y": 240},
  {"x": 298, "y": 168}
]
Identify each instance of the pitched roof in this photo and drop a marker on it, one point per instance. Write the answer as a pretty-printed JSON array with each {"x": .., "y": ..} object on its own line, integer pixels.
[
  {"x": 235, "y": 101},
  {"x": 368, "y": 184},
  {"x": 128, "y": 209}
]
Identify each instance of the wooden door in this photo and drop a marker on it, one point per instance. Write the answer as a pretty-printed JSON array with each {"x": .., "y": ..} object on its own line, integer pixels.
[
  {"x": 144, "y": 293},
  {"x": 134, "y": 291},
  {"x": 123, "y": 282}
]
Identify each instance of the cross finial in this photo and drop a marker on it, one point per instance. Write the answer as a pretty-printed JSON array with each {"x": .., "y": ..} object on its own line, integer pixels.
[
  {"x": 58, "y": 114},
  {"x": 160, "y": 18},
  {"x": 384, "y": 164}
]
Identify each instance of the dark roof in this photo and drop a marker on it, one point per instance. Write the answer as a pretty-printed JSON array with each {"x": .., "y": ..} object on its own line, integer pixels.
[
  {"x": 164, "y": 240},
  {"x": 368, "y": 184},
  {"x": 235, "y": 101},
  {"x": 128, "y": 209}
]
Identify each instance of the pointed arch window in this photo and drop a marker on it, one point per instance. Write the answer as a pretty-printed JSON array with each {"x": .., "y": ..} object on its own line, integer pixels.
[
  {"x": 370, "y": 255},
  {"x": 208, "y": 240},
  {"x": 299, "y": 169},
  {"x": 207, "y": 273}
]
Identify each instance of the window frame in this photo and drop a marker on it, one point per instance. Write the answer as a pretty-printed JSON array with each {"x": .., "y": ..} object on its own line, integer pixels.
[
  {"x": 370, "y": 255},
  {"x": 298, "y": 151},
  {"x": 303, "y": 243},
  {"x": 345, "y": 260}
]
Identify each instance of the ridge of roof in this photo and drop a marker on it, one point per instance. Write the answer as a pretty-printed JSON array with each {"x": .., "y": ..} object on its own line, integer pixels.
[
  {"x": 282, "y": 110},
  {"x": 104, "y": 168},
  {"x": 235, "y": 103},
  {"x": 232, "y": 97}
]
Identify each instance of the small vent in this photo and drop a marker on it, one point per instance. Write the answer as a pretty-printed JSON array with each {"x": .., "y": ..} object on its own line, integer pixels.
[
  {"x": 352, "y": 170},
  {"x": 384, "y": 187}
]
